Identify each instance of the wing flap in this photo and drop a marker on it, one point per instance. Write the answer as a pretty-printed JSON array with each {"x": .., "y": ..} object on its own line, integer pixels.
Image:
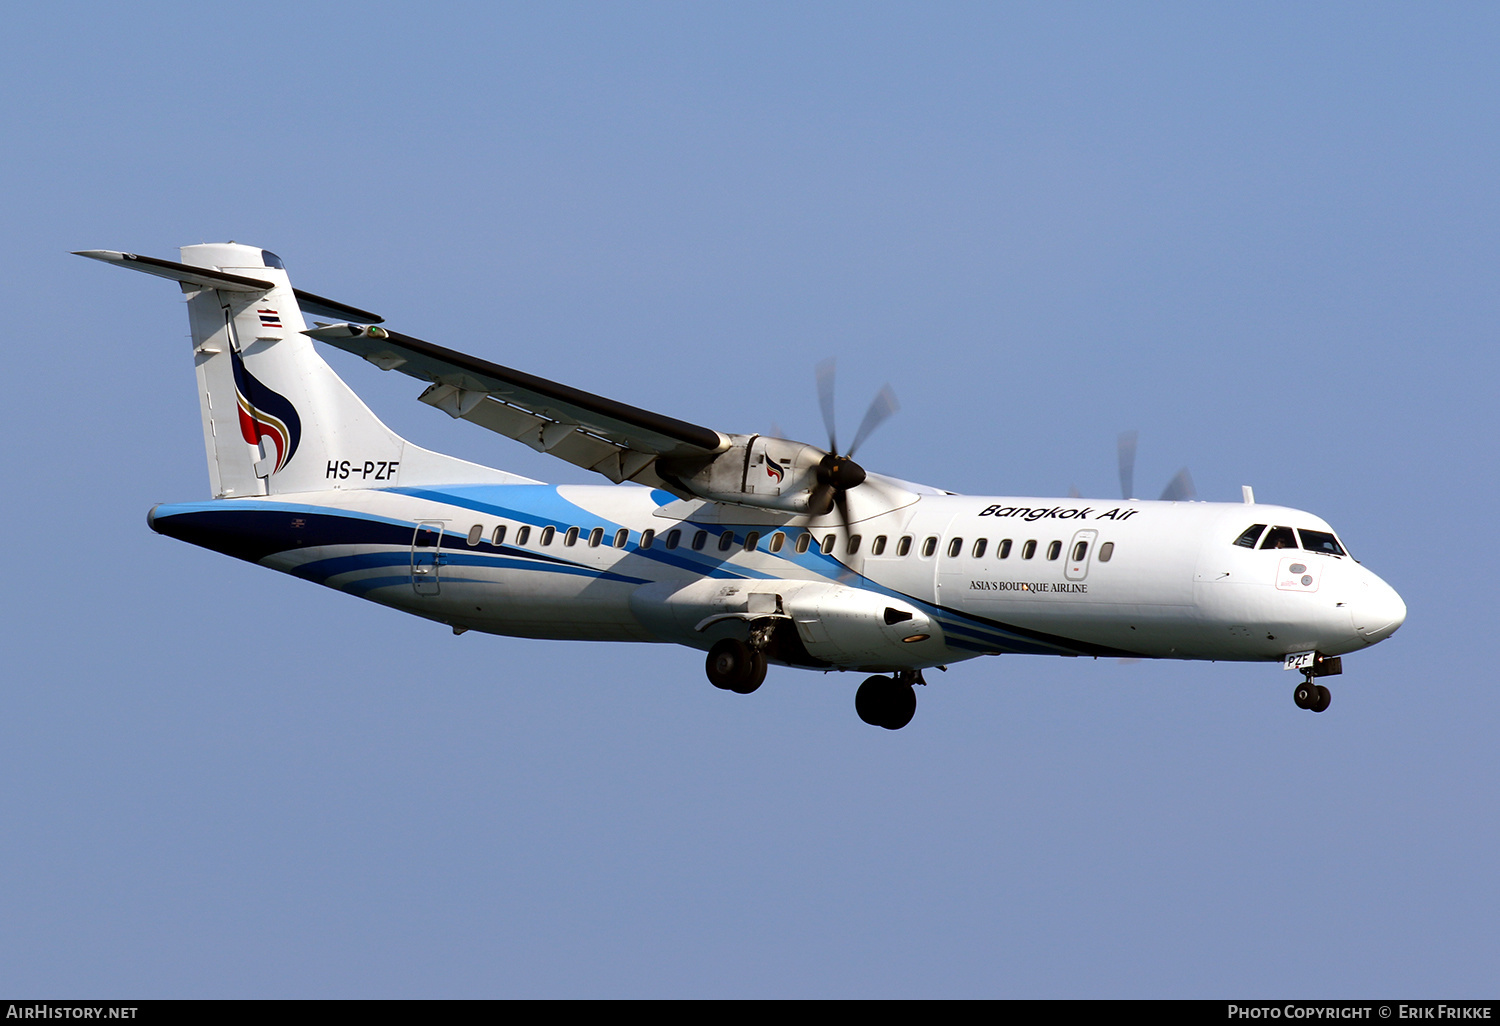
[{"x": 619, "y": 441}]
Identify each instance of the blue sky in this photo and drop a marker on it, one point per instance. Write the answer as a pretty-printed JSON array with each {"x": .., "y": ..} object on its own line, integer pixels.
[{"x": 1263, "y": 235}]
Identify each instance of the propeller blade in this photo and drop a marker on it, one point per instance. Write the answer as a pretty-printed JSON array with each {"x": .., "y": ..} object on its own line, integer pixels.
[
  {"x": 1180, "y": 488},
  {"x": 821, "y": 501},
  {"x": 841, "y": 502},
  {"x": 882, "y": 406},
  {"x": 1074, "y": 493},
  {"x": 825, "y": 400},
  {"x": 1127, "y": 443}
]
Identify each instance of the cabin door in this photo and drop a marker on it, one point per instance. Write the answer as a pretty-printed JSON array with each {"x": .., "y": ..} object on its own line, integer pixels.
[{"x": 426, "y": 556}]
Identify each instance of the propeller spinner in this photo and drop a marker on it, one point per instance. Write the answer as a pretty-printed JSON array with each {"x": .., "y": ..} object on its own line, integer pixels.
[{"x": 837, "y": 473}]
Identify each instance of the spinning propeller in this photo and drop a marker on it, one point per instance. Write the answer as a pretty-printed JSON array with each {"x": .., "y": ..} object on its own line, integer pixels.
[
  {"x": 1179, "y": 489},
  {"x": 837, "y": 473}
]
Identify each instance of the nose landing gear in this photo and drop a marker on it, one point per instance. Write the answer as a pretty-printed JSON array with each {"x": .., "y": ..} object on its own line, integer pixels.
[{"x": 1312, "y": 696}]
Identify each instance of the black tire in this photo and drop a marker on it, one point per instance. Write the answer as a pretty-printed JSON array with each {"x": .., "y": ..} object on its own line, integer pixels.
[
  {"x": 731, "y": 665},
  {"x": 1322, "y": 700},
  {"x": 901, "y": 706},
  {"x": 1304, "y": 695},
  {"x": 755, "y": 673},
  {"x": 870, "y": 700}
]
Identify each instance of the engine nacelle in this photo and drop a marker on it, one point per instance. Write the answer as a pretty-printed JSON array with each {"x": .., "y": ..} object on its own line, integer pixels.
[{"x": 774, "y": 473}]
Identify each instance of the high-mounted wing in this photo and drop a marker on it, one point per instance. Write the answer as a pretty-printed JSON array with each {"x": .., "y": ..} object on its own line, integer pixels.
[{"x": 621, "y": 442}]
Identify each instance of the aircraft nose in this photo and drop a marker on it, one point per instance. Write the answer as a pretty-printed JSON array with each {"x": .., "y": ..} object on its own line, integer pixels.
[{"x": 1378, "y": 611}]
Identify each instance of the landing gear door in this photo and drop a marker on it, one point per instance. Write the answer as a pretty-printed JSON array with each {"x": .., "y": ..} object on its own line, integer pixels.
[
  {"x": 426, "y": 556},
  {"x": 1080, "y": 554}
]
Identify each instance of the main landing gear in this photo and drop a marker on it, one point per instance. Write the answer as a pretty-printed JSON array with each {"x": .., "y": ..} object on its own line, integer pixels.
[
  {"x": 888, "y": 702},
  {"x": 735, "y": 666}
]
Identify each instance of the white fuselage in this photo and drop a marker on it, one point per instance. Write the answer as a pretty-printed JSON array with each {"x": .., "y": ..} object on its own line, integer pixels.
[{"x": 1060, "y": 576}]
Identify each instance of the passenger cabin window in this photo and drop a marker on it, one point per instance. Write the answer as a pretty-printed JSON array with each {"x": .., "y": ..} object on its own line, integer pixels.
[
  {"x": 476, "y": 533},
  {"x": 648, "y": 538},
  {"x": 752, "y": 540},
  {"x": 1251, "y": 536},
  {"x": 877, "y": 547},
  {"x": 1003, "y": 549},
  {"x": 955, "y": 547},
  {"x": 777, "y": 541},
  {"x": 1054, "y": 549},
  {"x": 498, "y": 538},
  {"x": 853, "y": 546},
  {"x": 595, "y": 537},
  {"x": 699, "y": 540},
  {"x": 803, "y": 541},
  {"x": 828, "y": 543},
  {"x": 571, "y": 538},
  {"x": 547, "y": 534},
  {"x": 903, "y": 547},
  {"x": 726, "y": 541},
  {"x": 1279, "y": 538},
  {"x": 523, "y": 534},
  {"x": 1106, "y": 551},
  {"x": 929, "y": 546},
  {"x": 1320, "y": 541},
  {"x": 621, "y": 537},
  {"x": 1028, "y": 550},
  {"x": 979, "y": 547},
  {"x": 674, "y": 537},
  {"x": 1080, "y": 550}
]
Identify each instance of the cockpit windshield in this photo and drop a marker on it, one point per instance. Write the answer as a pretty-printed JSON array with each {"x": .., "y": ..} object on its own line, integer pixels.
[
  {"x": 1279, "y": 538},
  {"x": 1320, "y": 541},
  {"x": 1249, "y": 537}
]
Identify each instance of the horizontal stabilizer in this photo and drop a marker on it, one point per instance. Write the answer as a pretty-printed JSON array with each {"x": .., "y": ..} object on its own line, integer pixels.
[
  {"x": 320, "y": 307},
  {"x": 203, "y": 277},
  {"x": 210, "y": 278}
]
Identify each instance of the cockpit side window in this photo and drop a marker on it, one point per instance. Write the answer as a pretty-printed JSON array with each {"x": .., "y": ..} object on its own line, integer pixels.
[
  {"x": 1320, "y": 541},
  {"x": 1280, "y": 538},
  {"x": 1251, "y": 536}
]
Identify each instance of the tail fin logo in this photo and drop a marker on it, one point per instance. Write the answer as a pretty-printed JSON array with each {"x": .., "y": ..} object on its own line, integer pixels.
[{"x": 265, "y": 413}]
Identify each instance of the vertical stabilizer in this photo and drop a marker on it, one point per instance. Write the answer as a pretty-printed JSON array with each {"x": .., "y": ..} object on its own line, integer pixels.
[{"x": 276, "y": 418}]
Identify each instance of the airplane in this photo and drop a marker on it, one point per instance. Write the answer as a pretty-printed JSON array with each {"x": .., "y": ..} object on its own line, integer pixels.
[{"x": 754, "y": 549}]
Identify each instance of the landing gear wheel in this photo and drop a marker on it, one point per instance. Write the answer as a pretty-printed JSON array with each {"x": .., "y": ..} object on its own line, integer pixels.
[
  {"x": 884, "y": 702},
  {"x": 1305, "y": 695},
  {"x": 903, "y": 706},
  {"x": 1322, "y": 699},
  {"x": 735, "y": 666}
]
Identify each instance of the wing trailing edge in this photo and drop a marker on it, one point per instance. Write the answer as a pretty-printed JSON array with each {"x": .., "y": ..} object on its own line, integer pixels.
[{"x": 621, "y": 442}]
